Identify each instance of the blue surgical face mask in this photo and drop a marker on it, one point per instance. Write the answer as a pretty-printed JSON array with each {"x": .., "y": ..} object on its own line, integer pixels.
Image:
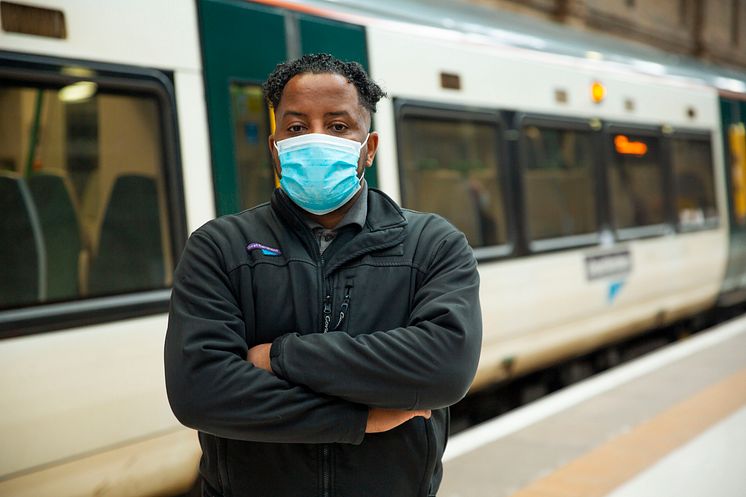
[{"x": 319, "y": 172}]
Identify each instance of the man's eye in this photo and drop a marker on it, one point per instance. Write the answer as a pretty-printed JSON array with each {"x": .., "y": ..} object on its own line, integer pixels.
[
  {"x": 339, "y": 127},
  {"x": 295, "y": 128}
]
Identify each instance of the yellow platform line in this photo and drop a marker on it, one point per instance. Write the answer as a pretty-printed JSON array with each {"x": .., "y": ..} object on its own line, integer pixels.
[{"x": 598, "y": 472}]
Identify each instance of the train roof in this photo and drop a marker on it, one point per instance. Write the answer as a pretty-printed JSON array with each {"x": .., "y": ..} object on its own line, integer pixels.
[{"x": 510, "y": 29}]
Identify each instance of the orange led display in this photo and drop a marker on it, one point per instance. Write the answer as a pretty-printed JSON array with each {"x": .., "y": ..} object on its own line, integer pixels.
[
  {"x": 624, "y": 146},
  {"x": 598, "y": 92}
]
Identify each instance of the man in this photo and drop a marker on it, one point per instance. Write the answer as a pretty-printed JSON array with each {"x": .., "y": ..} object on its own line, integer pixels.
[{"x": 316, "y": 341}]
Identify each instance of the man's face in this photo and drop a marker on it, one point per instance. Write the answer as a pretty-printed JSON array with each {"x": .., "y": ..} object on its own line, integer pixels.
[{"x": 323, "y": 103}]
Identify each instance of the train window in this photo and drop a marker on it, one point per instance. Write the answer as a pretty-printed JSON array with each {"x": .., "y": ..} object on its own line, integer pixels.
[
  {"x": 82, "y": 194},
  {"x": 450, "y": 166},
  {"x": 559, "y": 182},
  {"x": 636, "y": 181},
  {"x": 694, "y": 182},
  {"x": 250, "y": 133}
]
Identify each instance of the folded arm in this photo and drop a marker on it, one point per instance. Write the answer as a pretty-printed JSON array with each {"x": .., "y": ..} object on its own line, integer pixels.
[
  {"x": 427, "y": 364},
  {"x": 210, "y": 385}
]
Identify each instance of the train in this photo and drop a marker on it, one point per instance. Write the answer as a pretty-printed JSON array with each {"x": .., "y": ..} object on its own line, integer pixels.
[{"x": 601, "y": 184}]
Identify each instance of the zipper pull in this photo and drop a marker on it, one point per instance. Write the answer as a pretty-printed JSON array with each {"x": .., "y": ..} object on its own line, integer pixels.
[
  {"x": 343, "y": 309},
  {"x": 327, "y": 312}
]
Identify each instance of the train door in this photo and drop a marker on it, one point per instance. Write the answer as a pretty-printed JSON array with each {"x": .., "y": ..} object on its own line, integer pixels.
[
  {"x": 733, "y": 114},
  {"x": 242, "y": 43}
]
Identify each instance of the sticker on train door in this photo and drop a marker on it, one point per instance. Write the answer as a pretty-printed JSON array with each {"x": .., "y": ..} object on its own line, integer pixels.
[{"x": 605, "y": 264}]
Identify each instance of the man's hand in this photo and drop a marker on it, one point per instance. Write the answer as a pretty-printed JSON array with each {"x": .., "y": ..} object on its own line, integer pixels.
[
  {"x": 259, "y": 356},
  {"x": 380, "y": 420}
]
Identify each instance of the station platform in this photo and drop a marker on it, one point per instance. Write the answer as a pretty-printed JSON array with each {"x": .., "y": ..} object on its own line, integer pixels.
[{"x": 669, "y": 424}]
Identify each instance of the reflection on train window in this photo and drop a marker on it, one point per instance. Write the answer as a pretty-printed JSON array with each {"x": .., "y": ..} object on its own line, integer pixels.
[
  {"x": 636, "y": 181},
  {"x": 559, "y": 182},
  {"x": 250, "y": 132},
  {"x": 82, "y": 195},
  {"x": 694, "y": 182},
  {"x": 450, "y": 167}
]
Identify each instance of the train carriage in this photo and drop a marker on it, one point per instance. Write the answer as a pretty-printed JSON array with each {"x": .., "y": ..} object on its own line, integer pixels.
[{"x": 602, "y": 186}]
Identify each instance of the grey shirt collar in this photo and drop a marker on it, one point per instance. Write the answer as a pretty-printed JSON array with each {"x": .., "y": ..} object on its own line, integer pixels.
[{"x": 356, "y": 215}]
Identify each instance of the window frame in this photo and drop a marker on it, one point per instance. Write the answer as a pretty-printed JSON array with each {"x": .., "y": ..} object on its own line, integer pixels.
[
  {"x": 564, "y": 124},
  {"x": 692, "y": 134},
  {"x": 269, "y": 122},
  {"x": 639, "y": 232},
  {"x": 35, "y": 71},
  {"x": 405, "y": 108}
]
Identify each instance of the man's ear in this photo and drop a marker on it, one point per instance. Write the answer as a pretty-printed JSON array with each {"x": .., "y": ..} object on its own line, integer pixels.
[
  {"x": 371, "y": 148},
  {"x": 275, "y": 156}
]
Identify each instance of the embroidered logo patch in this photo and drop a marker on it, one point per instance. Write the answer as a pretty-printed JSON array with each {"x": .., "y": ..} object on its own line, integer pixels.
[{"x": 265, "y": 250}]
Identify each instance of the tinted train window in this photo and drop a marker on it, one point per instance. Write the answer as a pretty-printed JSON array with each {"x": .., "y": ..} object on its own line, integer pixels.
[
  {"x": 636, "y": 181},
  {"x": 694, "y": 182},
  {"x": 250, "y": 132},
  {"x": 82, "y": 194},
  {"x": 451, "y": 167},
  {"x": 559, "y": 182}
]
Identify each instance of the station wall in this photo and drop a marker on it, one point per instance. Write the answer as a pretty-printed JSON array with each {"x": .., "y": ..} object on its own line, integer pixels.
[{"x": 713, "y": 30}]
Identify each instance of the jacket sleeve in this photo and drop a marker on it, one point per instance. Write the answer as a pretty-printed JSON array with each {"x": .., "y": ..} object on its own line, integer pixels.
[
  {"x": 213, "y": 388},
  {"x": 428, "y": 364}
]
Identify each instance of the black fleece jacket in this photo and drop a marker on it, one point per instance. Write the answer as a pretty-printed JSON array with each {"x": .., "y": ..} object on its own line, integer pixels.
[{"x": 391, "y": 319}]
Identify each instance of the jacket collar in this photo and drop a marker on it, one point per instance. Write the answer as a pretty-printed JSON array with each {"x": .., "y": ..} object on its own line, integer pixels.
[{"x": 385, "y": 226}]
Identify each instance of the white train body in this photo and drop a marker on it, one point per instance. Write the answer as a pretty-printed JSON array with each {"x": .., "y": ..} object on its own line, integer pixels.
[
  {"x": 85, "y": 409},
  {"x": 540, "y": 309}
]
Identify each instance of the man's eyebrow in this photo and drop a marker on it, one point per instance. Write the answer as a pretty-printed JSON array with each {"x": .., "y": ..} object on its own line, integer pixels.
[
  {"x": 294, "y": 113},
  {"x": 337, "y": 113}
]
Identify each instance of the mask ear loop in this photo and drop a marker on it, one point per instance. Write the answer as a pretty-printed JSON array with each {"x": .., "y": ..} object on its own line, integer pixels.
[
  {"x": 361, "y": 147},
  {"x": 364, "y": 142}
]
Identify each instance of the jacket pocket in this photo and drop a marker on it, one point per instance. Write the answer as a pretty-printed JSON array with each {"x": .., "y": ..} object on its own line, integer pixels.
[
  {"x": 396, "y": 463},
  {"x": 259, "y": 469},
  {"x": 431, "y": 457},
  {"x": 222, "y": 467},
  {"x": 439, "y": 424}
]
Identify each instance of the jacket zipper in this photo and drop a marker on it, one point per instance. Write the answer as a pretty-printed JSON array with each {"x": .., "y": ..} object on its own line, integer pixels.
[
  {"x": 343, "y": 311},
  {"x": 326, "y": 320},
  {"x": 325, "y": 475},
  {"x": 327, "y": 311},
  {"x": 325, "y": 492},
  {"x": 325, "y": 463}
]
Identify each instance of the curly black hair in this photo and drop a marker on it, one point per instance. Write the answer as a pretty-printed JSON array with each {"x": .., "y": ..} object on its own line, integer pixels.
[{"x": 368, "y": 91}]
